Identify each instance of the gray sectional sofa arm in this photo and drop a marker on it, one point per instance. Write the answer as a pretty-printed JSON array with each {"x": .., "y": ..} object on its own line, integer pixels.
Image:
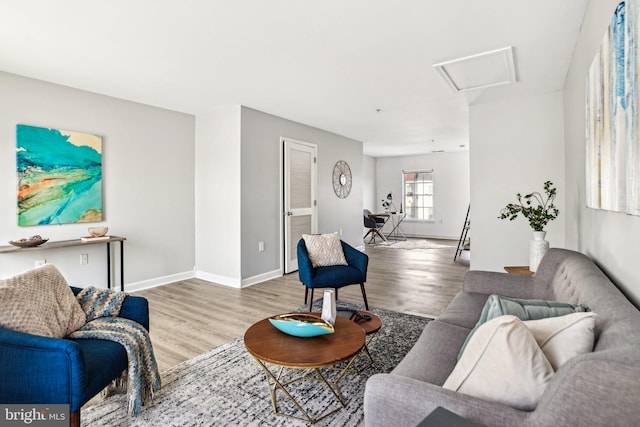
[
  {"x": 394, "y": 400},
  {"x": 489, "y": 282},
  {"x": 596, "y": 389}
]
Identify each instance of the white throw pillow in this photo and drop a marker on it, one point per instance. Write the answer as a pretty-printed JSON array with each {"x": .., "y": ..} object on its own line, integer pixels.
[
  {"x": 324, "y": 249},
  {"x": 564, "y": 337},
  {"x": 503, "y": 363}
]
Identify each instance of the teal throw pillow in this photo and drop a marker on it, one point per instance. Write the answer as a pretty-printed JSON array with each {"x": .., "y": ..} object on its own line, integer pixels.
[{"x": 523, "y": 309}]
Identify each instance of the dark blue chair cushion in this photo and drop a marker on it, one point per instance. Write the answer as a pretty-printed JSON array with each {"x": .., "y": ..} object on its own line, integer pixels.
[{"x": 336, "y": 276}]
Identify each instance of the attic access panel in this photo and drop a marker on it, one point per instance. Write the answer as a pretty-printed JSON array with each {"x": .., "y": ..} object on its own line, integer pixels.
[{"x": 482, "y": 70}]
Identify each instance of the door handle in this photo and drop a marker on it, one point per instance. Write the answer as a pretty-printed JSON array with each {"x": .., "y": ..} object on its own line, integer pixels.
[{"x": 289, "y": 213}]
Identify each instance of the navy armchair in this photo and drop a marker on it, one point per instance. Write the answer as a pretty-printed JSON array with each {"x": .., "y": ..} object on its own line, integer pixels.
[
  {"x": 335, "y": 276},
  {"x": 42, "y": 370}
]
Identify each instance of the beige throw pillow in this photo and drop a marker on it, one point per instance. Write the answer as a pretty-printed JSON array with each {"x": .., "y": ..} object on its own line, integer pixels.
[
  {"x": 564, "y": 337},
  {"x": 40, "y": 302},
  {"x": 503, "y": 363},
  {"x": 324, "y": 249}
]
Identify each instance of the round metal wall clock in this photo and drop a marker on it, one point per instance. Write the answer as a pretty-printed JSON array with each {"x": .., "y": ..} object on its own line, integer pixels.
[{"x": 342, "y": 179}]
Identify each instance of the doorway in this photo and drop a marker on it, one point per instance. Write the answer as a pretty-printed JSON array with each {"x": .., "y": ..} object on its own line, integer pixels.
[{"x": 299, "y": 213}]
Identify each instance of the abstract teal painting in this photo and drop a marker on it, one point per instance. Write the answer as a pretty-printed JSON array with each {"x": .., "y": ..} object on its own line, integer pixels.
[{"x": 59, "y": 176}]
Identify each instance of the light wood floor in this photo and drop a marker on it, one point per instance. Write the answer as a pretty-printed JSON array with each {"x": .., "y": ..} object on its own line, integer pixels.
[{"x": 192, "y": 316}]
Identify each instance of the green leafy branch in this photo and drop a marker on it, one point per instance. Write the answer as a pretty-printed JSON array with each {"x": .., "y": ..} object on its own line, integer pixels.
[{"x": 538, "y": 210}]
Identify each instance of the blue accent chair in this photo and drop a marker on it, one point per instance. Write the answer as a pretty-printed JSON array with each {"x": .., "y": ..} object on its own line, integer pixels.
[
  {"x": 42, "y": 370},
  {"x": 335, "y": 276}
]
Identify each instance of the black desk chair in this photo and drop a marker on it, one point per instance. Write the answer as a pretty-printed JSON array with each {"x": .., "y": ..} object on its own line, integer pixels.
[{"x": 374, "y": 224}]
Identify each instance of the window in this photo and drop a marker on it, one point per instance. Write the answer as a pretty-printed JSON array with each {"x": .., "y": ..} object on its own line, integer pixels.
[{"x": 417, "y": 187}]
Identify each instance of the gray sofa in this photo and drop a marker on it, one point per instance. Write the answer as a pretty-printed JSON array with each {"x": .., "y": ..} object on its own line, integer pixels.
[{"x": 598, "y": 388}]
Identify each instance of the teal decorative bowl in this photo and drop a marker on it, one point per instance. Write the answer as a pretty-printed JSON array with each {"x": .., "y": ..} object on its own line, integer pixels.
[{"x": 301, "y": 325}]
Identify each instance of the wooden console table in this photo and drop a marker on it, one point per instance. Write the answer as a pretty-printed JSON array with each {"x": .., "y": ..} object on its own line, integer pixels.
[
  {"x": 77, "y": 242},
  {"x": 519, "y": 269}
]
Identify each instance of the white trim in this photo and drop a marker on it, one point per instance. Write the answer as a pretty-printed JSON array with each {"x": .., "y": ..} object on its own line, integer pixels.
[
  {"x": 209, "y": 277},
  {"x": 259, "y": 278},
  {"x": 158, "y": 281},
  {"x": 216, "y": 278},
  {"x": 281, "y": 202},
  {"x": 417, "y": 170}
]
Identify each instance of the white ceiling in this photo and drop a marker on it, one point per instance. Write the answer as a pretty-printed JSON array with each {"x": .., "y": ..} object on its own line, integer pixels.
[{"x": 326, "y": 63}]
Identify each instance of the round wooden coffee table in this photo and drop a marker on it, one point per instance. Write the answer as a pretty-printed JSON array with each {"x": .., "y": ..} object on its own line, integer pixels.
[
  {"x": 370, "y": 327},
  {"x": 268, "y": 345}
]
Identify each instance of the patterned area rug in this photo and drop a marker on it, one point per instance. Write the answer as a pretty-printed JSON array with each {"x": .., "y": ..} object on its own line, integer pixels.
[{"x": 225, "y": 386}]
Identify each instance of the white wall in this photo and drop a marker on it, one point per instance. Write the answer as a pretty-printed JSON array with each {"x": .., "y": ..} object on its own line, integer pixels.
[
  {"x": 261, "y": 216},
  {"x": 451, "y": 191},
  {"x": 217, "y": 196},
  {"x": 610, "y": 238},
  {"x": 515, "y": 146},
  {"x": 174, "y": 186},
  {"x": 148, "y": 163},
  {"x": 369, "y": 199}
]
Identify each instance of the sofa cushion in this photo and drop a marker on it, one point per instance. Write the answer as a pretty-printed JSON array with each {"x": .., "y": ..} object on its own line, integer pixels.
[
  {"x": 503, "y": 363},
  {"x": 40, "y": 302},
  {"x": 523, "y": 309},
  {"x": 324, "y": 249},
  {"x": 564, "y": 337},
  {"x": 433, "y": 356},
  {"x": 526, "y": 309},
  {"x": 464, "y": 310}
]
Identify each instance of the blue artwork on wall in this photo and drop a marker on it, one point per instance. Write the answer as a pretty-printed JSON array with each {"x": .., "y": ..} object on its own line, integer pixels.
[
  {"x": 59, "y": 176},
  {"x": 612, "y": 156}
]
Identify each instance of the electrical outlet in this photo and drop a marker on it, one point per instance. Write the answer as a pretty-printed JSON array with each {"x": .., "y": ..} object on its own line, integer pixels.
[
  {"x": 84, "y": 259},
  {"x": 341, "y": 232},
  {"x": 40, "y": 262},
  {"x": 260, "y": 246}
]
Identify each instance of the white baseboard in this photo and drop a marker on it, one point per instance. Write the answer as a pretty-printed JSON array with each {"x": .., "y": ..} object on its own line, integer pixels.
[
  {"x": 261, "y": 278},
  {"x": 216, "y": 278},
  {"x": 158, "y": 281},
  {"x": 209, "y": 277}
]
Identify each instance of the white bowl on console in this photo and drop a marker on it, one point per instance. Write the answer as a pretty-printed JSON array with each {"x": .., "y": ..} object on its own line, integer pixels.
[{"x": 98, "y": 231}]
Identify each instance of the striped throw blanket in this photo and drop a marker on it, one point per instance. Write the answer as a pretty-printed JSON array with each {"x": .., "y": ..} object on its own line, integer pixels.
[{"x": 142, "y": 379}]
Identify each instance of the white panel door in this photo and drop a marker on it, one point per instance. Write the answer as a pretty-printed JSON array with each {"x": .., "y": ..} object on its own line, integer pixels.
[{"x": 300, "y": 212}]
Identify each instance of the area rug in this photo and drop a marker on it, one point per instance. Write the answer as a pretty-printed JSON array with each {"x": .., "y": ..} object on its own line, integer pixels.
[
  {"x": 415, "y": 244},
  {"x": 226, "y": 387}
]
